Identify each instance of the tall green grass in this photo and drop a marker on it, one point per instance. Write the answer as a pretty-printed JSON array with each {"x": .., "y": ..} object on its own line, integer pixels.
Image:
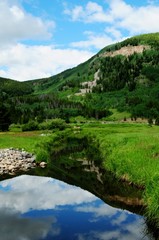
[{"x": 131, "y": 152}]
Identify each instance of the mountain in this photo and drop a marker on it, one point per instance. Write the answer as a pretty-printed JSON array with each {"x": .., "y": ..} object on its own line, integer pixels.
[
  {"x": 78, "y": 77},
  {"x": 123, "y": 77}
]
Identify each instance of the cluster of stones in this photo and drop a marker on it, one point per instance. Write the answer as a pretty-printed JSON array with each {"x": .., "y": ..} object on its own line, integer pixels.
[{"x": 14, "y": 160}]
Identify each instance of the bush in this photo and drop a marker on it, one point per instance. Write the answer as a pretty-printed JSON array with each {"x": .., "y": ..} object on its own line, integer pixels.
[
  {"x": 15, "y": 127},
  {"x": 78, "y": 119},
  {"x": 30, "y": 126},
  {"x": 57, "y": 123},
  {"x": 44, "y": 126}
]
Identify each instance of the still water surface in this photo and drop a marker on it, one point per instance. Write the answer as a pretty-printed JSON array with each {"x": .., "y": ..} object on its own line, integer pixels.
[{"x": 42, "y": 208}]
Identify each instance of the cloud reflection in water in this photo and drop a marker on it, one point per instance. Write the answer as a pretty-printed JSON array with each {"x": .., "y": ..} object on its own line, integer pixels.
[
  {"x": 38, "y": 208},
  {"x": 15, "y": 227}
]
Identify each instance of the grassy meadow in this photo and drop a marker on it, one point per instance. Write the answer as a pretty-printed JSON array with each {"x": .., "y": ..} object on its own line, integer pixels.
[{"x": 20, "y": 140}]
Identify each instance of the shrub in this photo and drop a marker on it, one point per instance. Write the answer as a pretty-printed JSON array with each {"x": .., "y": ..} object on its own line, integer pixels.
[
  {"x": 15, "y": 127},
  {"x": 30, "y": 126},
  {"x": 44, "y": 126},
  {"x": 78, "y": 119},
  {"x": 57, "y": 123}
]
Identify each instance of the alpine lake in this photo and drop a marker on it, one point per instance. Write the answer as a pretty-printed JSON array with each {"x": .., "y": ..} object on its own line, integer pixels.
[{"x": 73, "y": 198}]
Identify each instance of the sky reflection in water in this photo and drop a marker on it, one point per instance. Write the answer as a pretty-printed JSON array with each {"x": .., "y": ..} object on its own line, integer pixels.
[{"x": 38, "y": 208}]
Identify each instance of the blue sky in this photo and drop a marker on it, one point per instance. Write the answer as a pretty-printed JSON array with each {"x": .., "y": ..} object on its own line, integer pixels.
[{"x": 40, "y": 38}]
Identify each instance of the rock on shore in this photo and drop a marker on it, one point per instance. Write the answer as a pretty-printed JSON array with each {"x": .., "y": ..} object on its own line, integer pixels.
[{"x": 14, "y": 160}]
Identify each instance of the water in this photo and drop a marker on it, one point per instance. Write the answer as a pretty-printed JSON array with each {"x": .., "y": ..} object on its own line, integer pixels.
[
  {"x": 42, "y": 208},
  {"x": 76, "y": 199}
]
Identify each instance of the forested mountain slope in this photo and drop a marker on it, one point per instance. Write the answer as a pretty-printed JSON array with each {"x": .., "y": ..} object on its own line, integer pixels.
[{"x": 123, "y": 76}]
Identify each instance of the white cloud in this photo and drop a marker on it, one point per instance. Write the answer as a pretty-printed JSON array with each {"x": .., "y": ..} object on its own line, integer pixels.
[
  {"x": 13, "y": 226},
  {"x": 92, "y": 12},
  {"x": 135, "y": 20},
  {"x": 120, "y": 219},
  {"x": 131, "y": 231},
  {"x": 102, "y": 210},
  {"x": 141, "y": 20},
  {"x": 115, "y": 33},
  {"x": 119, "y": 15},
  {"x": 22, "y": 62},
  {"x": 122, "y": 228},
  {"x": 119, "y": 9},
  {"x": 93, "y": 40},
  {"x": 49, "y": 192},
  {"x": 30, "y": 62},
  {"x": 110, "y": 35},
  {"x": 16, "y": 24},
  {"x": 124, "y": 225}
]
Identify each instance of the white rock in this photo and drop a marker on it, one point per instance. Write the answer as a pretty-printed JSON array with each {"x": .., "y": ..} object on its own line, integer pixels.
[{"x": 43, "y": 164}]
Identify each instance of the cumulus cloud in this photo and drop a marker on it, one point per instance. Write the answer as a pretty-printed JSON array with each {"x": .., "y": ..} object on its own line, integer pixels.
[
  {"x": 131, "y": 231},
  {"x": 92, "y": 12},
  {"x": 141, "y": 20},
  {"x": 115, "y": 33},
  {"x": 120, "y": 225},
  {"x": 16, "y": 24},
  {"x": 13, "y": 226},
  {"x": 102, "y": 210},
  {"x": 119, "y": 9},
  {"x": 119, "y": 14},
  {"x": 95, "y": 40},
  {"x": 24, "y": 62},
  {"x": 49, "y": 192},
  {"x": 29, "y": 62}
]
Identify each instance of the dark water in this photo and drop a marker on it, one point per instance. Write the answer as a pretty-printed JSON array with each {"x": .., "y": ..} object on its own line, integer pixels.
[
  {"x": 73, "y": 207},
  {"x": 36, "y": 208}
]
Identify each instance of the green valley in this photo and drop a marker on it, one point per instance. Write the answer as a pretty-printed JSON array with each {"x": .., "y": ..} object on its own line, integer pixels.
[
  {"x": 111, "y": 100},
  {"x": 123, "y": 76}
]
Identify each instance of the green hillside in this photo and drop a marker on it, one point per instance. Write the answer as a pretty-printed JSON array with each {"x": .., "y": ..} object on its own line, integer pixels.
[
  {"x": 14, "y": 88},
  {"x": 121, "y": 78},
  {"x": 71, "y": 78}
]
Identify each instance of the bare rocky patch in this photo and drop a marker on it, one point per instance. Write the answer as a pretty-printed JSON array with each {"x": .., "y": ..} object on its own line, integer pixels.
[
  {"x": 126, "y": 51},
  {"x": 88, "y": 86}
]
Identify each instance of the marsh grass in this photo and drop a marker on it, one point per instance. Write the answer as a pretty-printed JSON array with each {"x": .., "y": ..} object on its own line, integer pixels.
[{"x": 131, "y": 152}]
